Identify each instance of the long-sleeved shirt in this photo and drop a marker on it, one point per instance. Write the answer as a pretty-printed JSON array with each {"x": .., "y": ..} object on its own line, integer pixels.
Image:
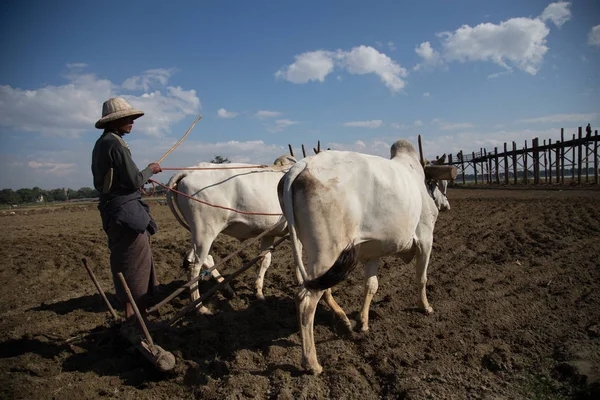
[
  {"x": 123, "y": 202},
  {"x": 111, "y": 151}
]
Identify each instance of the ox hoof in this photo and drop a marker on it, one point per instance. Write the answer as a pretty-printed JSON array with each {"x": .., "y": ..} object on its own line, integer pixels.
[
  {"x": 260, "y": 296},
  {"x": 204, "y": 311},
  {"x": 428, "y": 310},
  {"x": 364, "y": 328},
  {"x": 345, "y": 327},
  {"x": 228, "y": 292},
  {"x": 314, "y": 370}
]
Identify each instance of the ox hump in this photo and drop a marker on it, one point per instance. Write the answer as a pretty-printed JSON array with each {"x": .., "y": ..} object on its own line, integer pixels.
[{"x": 402, "y": 146}]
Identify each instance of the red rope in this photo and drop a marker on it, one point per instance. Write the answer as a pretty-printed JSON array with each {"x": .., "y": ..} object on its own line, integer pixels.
[
  {"x": 214, "y": 168},
  {"x": 209, "y": 204}
]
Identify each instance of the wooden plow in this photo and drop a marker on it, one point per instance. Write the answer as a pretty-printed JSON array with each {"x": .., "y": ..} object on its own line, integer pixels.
[{"x": 162, "y": 359}]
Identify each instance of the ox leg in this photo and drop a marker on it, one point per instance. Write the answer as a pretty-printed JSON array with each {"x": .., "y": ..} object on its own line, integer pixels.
[
  {"x": 200, "y": 253},
  {"x": 371, "y": 285},
  {"x": 306, "y": 304},
  {"x": 422, "y": 261},
  {"x": 337, "y": 310},
  {"x": 226, "y": 290},
  {"x": 265, "y": 243}
]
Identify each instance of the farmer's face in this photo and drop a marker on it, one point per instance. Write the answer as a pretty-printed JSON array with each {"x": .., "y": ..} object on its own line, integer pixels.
[{"x": 124, "y": 125}]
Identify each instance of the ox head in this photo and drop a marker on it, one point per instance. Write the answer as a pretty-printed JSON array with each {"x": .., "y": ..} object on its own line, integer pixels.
[
  {"x": 436, "y": 184},
  {"x": 285, "y": 159}
]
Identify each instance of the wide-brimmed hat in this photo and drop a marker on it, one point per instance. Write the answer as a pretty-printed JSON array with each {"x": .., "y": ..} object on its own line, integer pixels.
[{"x": 116, "y": 108}]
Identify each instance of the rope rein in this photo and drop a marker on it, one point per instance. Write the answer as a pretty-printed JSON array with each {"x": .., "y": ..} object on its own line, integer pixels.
[
  {"x": 209, "y": 204},
  {"x": 214, "y": 168}
]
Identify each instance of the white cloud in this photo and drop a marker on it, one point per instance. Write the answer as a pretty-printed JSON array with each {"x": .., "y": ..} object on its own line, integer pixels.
[
  {"x": 223, "y": 113},
  {"x": 376, "y": 146},
  {"x": 558, "y": 13},
  {"x": 499, "y": 74},
  {"x": 73, "y": 108},
  {"x": 594, "y": 36},
  {"x": 426, "y": 94},
  {"x": 449, "y": 126},
  {"x": 280, "y": 125},
  {"x": 417, "y": 124},
  {"x": 56, "y": 169},
  {"x": 77, "y": 65},
  {"x": 310, "y": 66},
  {"x": 267, "y": 114},
  {"x": 519, "y": 41},
  {"x": 316, "y": 65},
  {"x": 375, "y": 123},
  {"x": 391, "y": 45},
  {"x": 367, "y": 60},
  {"x": 568, "y": 117},
  {"x": 148, "y": 80},
  {"x": 428, "y": 54}
]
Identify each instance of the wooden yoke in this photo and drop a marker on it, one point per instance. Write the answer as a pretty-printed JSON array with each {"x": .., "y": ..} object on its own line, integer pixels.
[
  {"x": 443, "y": 172},
  {"x": 434, "y": 171}
]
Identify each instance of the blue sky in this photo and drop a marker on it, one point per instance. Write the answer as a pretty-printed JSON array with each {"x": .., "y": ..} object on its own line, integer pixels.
[{"x": 355, "y": 75}]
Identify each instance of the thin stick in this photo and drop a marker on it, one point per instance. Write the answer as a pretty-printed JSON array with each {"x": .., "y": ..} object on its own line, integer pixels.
[
  {"x": 180, "y": 140},
  {"x": 112, "y": 310},
  {"x": 303, "y": 151},
  {"x": 224, "y": 282},
  {"x": 421, "y": 152},
  {"x": 223, "y": 261},
  {"x": 291, "y": 151},
  {"x": 136, "y": 310}
]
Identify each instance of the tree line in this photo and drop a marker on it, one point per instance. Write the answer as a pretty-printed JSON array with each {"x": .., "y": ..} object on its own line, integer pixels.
[{"x": 35, "y": 194}]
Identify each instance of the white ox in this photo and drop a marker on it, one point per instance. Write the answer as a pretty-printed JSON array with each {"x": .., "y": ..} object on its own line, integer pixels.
[
  {"x": 344, "y": 207},
  {"x": 247, "y": 190}
]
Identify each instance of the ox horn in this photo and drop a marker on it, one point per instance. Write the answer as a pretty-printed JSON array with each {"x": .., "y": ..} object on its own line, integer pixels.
[{"x": 444, "y": 172}]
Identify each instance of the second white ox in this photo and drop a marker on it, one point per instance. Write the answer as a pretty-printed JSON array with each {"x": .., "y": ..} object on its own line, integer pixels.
[
  {"x": 250, "y": 190},
  {"x": 344, "y": 207}
]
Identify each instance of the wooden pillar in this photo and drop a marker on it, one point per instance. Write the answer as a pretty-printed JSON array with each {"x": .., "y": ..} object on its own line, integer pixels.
[
  {"x": 545, "y": 164},
  {"x": 514, "y": 157},
  {"x": 462, "y": 164},
  {"x": 587, "y": 159},
  {"x": 525, "y": 163},
  {"x": 562, "y": 156},
  {"x": 550, "y": 159},
  {"x": 482, "y": 165},
  {"x": 536, "y": 161},
  {"x": 579, "y": 154},
  {"x": 497, "y": 166},
  {"x": 505, "y": 164},
  {"x": 475, "y": 168},
  {"x": 573, "y": 161},
  {"x": 596, "y": 157},
  {"x": 486, "y": 172}
]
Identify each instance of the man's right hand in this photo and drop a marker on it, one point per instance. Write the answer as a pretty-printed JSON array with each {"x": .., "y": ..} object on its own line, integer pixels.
[{"x": 155, "y": 168}]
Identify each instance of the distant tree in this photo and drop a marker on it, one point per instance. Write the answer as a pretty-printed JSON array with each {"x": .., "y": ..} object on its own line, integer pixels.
[
  {"x": 86, "y": 193},
  {"x": 9, "y": 196},
  {"x": 56, "y": 195},
  {"x": 26, "y": 195},
  {"x": 220, "y": 160}
]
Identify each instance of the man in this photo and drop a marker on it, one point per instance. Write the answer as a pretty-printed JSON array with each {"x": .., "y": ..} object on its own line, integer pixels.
[
  {"x": 126, "y": 218},
  {"x": 588, "y": 130}
]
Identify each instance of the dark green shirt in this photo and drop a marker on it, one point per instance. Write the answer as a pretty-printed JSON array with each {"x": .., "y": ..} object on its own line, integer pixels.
[{"x": 111, "y": 151}]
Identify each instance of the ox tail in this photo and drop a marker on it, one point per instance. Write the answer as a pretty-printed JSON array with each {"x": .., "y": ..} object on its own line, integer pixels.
[
  {"x": 172, "y": 198},
  {"x": 288, "y": 212},
  {"x": 345, "y": 263}
]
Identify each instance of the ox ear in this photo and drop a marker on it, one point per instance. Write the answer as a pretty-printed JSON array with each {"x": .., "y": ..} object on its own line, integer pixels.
[
  {"x": 440, "y": 172},
  {"x": 441, "y": 160}
]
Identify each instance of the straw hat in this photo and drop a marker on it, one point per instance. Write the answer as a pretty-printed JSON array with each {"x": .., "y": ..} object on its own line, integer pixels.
[{"x": 115, "y": 108}]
